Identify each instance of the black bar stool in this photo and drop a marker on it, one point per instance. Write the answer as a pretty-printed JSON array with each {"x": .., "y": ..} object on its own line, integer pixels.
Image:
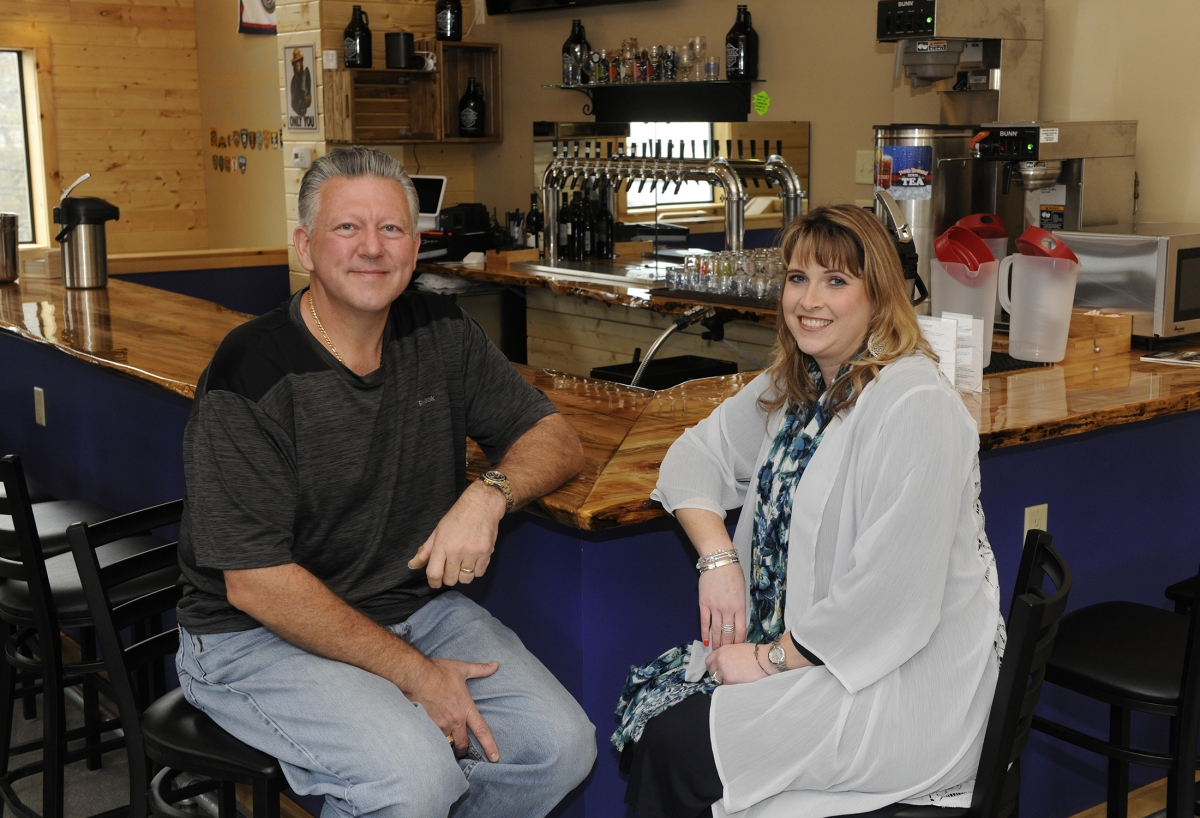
[
  {"x": 1033, "y": 622},
  {"x": 38, "y": 596},
  {"x": 171, "y": 732},
  {"x": 1135, "y": 657}
]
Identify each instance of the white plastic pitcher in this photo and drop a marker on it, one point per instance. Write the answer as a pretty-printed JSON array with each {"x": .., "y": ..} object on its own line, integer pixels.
[
  {"x": 956, "y": 288},
  {"x": 999, "y": 247},
  {"x": 1043, "y": 290}
]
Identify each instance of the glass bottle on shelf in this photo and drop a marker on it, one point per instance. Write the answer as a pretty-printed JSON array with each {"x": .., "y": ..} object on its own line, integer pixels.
[
  {"x": 576, "y": 51},
  {"x": 741, "y": 48},
  {"x": 534, "y": 225},
  {"x": 577, "y": 240},
  {"x": 357, "y": 39},
  {"x": 449, "y": 18},
  {"x": 471, "y": 112}
]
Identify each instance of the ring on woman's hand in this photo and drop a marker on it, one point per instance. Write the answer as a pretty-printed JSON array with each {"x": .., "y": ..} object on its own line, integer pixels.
[
  {"x": 727, "y": 629},
  {"x": 716, "y": 679},
  {"x": 466, "y": 570}
]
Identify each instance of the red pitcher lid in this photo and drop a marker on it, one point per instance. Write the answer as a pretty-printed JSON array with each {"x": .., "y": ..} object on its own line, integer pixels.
[
  {"x": 1038, "y": 242},
  {"x": 984, "y": 225},
  {"x": 958, "y": 245}
]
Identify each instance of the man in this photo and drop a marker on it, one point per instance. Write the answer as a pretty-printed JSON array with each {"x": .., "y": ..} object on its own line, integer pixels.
[
  {"x": 326, "y": 517},
  {"x": 301, "y": 84}
]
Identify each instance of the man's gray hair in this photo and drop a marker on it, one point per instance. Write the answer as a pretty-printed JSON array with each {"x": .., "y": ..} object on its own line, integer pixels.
[{"x": 350, "y": 163}]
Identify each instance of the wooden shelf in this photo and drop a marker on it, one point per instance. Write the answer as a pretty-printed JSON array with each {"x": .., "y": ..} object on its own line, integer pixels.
[{"x": 391, "y": 106}]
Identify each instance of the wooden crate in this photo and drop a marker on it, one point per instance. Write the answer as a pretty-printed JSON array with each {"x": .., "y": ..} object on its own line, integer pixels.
[
  {"x": 381, "y": 106},
  {"x": 458, "y": 62}
]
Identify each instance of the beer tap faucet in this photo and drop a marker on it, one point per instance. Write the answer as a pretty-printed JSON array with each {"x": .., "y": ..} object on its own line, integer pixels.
[
  {"x": 753, "y": 155},
  {"x": 632, "y": 166},
  {"x": 575, "y": 167}
]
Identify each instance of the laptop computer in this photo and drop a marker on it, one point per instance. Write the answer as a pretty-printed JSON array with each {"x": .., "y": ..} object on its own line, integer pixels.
[{"x": 430, "y": 191}]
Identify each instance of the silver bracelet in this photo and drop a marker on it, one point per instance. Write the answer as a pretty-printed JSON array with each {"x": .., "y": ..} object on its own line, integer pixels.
[
  {"x": 724, "y": 553},
  {"x": 719, "y": 564}
]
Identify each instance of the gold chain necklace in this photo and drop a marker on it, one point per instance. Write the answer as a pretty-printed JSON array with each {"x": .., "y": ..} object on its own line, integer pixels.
[{"x": 324, "y": 334}]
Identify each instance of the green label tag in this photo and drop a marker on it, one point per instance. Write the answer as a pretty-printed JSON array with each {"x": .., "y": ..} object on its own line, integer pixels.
[{"x": 762, "y": 103}]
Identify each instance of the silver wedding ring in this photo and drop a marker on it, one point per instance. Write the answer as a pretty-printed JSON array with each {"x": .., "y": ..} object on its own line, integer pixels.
[
  {"x": 716, "y": 680},
  {"x": 727, "y": 629}
]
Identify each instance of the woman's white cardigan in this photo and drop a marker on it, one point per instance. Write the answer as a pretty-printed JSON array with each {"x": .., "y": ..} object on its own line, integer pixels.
[{"x": 890, "y": 581}]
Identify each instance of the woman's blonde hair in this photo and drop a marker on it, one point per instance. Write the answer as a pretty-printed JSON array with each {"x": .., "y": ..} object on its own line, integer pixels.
[{"x": 852, "y": 240}]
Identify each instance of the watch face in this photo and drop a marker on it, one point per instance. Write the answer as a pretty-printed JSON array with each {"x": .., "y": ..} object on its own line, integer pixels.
[
  {"x": 493, "y": 475},
  {"x": 777, "y": 656}
]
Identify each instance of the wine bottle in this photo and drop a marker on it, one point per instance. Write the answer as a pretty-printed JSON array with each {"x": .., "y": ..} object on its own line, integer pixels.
[
  {"x": 471, "y": 112},
  {"x": 576, "y": 52},
  {"x": 564, "y": 228},
  {"x": 534, "y": 224},
  {"x": 577, "y": 247},
  {"x": 741, "y": 48},
  {"x": 357, "y": 39},
  {"x": 449, "y": 20},
  {"x": 589, "y": 226},
  {"x": 605, "y": 228}
]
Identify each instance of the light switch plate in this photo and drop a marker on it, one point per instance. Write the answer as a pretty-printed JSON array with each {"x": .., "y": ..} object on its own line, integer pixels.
[
  {"x": 39, "y": 406},
  {"x": 864, "y": 167},
  {"x": 301, "y": 157}
]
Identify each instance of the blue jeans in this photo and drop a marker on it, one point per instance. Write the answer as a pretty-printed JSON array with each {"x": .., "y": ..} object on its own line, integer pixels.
[{"x": 353, "y": 737}]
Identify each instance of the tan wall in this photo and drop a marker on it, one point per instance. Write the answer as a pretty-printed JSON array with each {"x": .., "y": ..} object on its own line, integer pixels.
[
  {"x": 819, "y": 59},
  {"x": 239, "y": 88},
  {"x": 120, "y": 100},
  {"x": 1124, "y": 59}
]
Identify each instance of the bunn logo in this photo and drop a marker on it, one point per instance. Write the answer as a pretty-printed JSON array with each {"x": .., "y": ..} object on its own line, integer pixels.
[
  {"x": 1010, "y": 133},
  {"x": 904, "y": 4}
]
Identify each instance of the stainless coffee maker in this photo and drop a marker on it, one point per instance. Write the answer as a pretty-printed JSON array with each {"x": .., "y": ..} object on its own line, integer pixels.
[
  {"x": 1058, "y": 175},
  {"x": 84, "y": 246}
]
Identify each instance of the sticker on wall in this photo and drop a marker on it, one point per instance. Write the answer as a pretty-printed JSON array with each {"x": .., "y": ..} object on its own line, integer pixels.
[
  {"x": 905, "y": 171},
  {"x": 256, "y": 17},
  {"x": 253, "y": 140},
  {"x": 242, "y": 164},
  {"x": 212, "y": 137},
  {"x": 245, "y": 138},
  {"x": 228, "y": 164},
  {"x": 762, "y": 103},
  {"x": 302, "y": 106}
]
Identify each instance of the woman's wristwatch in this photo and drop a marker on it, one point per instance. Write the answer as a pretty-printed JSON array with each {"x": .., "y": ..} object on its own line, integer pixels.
[{"x": 778, "y": 657}]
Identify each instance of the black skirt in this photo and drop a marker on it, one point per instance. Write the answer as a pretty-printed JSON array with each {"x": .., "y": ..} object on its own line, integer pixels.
[{"x": 672, "y": 772}]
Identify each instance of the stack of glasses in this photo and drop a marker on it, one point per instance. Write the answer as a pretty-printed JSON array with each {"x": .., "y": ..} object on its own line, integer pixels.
[{"x": 745, "y": 273}]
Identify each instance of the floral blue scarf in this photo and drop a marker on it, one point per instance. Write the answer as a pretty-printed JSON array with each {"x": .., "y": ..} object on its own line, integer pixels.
[{"x": 654, "y": 687}]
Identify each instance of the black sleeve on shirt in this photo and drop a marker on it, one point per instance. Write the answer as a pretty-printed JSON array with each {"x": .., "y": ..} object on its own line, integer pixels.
[
  {"x": 805, "y": 652},
  {"x": 241, "y": 485},
  {"x": 500, "y": 404}
]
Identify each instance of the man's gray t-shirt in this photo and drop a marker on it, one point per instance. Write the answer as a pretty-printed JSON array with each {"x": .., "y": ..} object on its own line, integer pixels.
[{"x": 289, "y": 457}]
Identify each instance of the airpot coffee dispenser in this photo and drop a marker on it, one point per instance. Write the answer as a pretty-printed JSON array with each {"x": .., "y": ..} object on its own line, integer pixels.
[{"x": 84, "y": 248}]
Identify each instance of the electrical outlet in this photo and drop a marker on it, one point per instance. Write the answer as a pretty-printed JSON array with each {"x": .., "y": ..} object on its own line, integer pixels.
[
  {"x": 39, "y": 406},
  {"x": 864, "y": 167},
  {"x": 1036, "y": 517}
]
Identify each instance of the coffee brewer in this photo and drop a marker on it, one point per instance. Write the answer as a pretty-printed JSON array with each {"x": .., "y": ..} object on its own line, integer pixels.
[{"x": 1058, "y": 175}]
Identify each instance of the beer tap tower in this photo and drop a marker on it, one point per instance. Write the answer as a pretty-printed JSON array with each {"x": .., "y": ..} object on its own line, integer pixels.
[{"x": 571, "y": 169}]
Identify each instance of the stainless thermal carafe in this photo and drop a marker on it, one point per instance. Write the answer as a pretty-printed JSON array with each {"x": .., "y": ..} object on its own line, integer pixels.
[
  {"x": 9, "y": 262},
  {"x": 928, "y": 170},
  {"x": 84, "y": 249}
]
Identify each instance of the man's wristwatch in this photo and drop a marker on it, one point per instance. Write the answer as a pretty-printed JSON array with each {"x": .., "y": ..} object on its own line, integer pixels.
[
  {"x": 777, "y": 657},
  {"x": 497, "y": 480}
]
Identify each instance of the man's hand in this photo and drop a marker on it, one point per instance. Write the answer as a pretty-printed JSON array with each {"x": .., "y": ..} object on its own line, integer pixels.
[
  {"x": 461, "y": 546},
  {"x": 444, "y": 695}
]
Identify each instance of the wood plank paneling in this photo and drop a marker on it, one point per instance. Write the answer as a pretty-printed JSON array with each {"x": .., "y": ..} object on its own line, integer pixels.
[{"x": 125, "y": 107}]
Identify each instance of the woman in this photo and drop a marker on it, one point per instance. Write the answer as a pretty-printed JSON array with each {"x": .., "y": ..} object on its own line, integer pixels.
[{"x": 858, "y": 669}]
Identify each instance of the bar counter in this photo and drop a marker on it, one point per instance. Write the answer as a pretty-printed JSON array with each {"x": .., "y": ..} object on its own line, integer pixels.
[
  {"x": 598, "y": 578},
  {"x": 167, "y": 339}
]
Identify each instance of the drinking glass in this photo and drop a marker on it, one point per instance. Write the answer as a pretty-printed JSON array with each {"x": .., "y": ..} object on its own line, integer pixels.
[
  {"x": 684, "y": 72},
  {"x": 671, "y": 64},
  {"x": 712, "y": 69},
  {"x": 699, "y": 54},
  {"x": 654, "y": 73}
]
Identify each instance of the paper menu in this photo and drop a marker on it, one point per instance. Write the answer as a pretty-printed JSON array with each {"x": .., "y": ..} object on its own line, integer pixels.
[
  {"x": 968, "y": 374},
  {"x": 942, "y": 335}
]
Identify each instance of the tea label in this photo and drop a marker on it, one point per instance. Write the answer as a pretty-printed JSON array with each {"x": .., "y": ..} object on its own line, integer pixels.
[{"x": 905, "y": 171}]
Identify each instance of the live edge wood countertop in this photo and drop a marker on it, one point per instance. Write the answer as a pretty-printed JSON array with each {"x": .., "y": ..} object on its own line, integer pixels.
[{"x": 167, "y": 339}]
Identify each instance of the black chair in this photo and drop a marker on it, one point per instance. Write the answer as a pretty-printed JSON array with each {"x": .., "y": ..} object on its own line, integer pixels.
[
  {"x": 38, "y": 597},
  {"x": 1135, "y": 657},
  {"x": 171, "y": 733},
  {"x": 1033, "y": 621}
]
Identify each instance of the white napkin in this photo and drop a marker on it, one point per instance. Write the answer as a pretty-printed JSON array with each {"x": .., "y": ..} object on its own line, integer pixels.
[{"x": 695, "y": 666}]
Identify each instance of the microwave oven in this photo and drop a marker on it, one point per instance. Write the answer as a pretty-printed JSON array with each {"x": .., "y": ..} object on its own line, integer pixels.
[{"x": 1151, "y": 271}]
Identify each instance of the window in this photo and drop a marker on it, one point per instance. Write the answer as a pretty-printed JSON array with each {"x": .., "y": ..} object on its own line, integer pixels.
[
  {"x": 16, "y": 190},
  {"x": 690, "y": 133}
]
